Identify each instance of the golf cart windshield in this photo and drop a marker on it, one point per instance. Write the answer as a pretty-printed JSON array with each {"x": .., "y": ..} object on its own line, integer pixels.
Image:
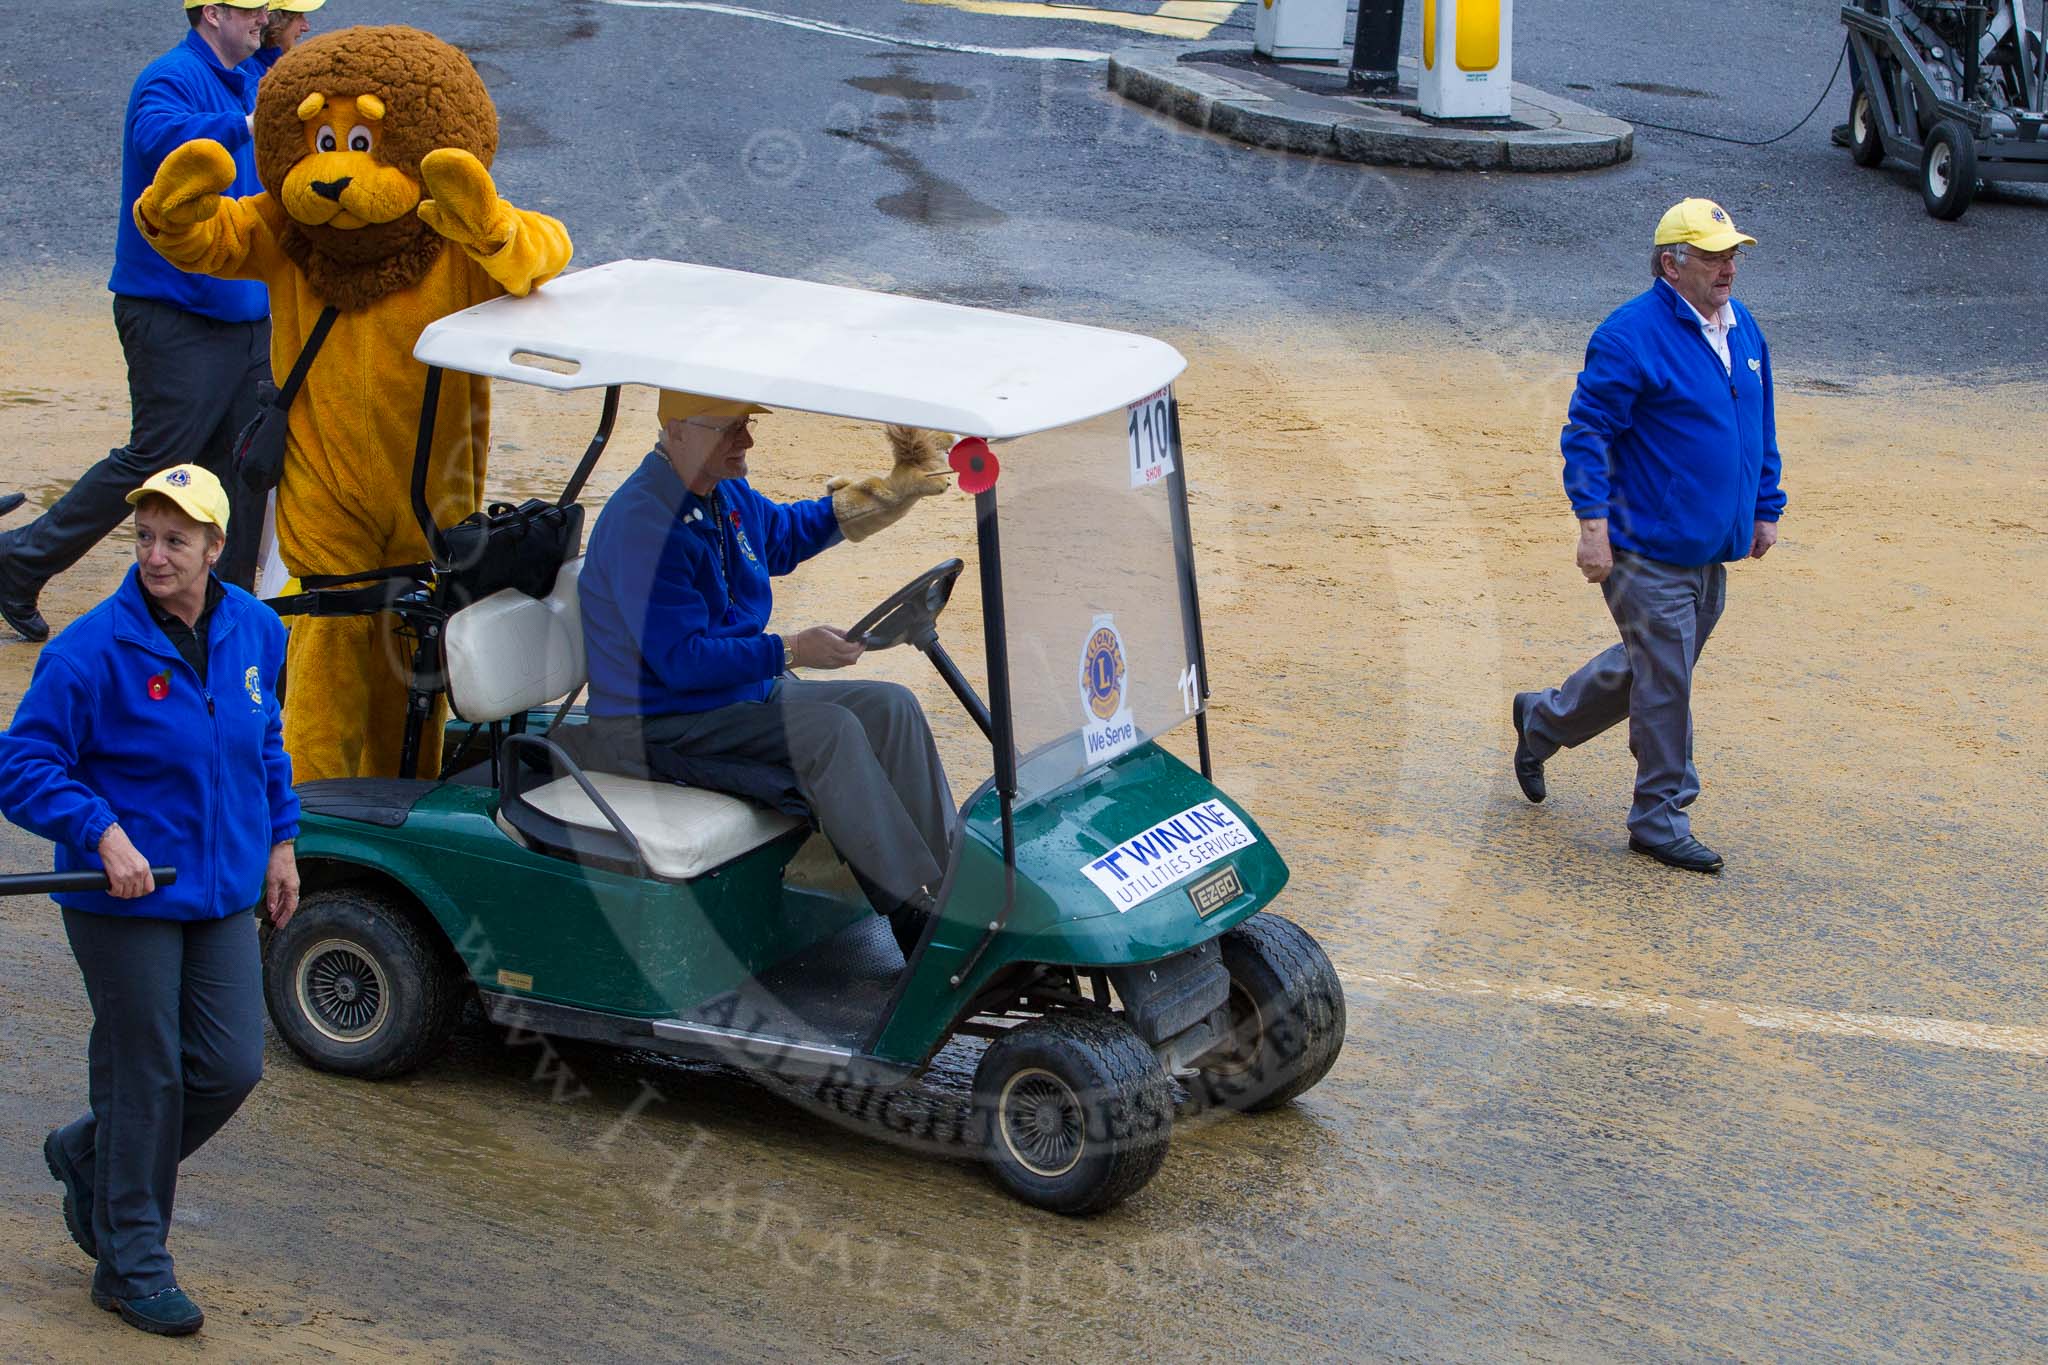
[{"x": 1100, "y": 638}]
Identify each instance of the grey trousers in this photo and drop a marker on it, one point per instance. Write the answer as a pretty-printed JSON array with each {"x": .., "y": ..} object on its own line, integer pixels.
[
  {"x": 176, "y": 1046},
  {"x": 864, "y": 760},
  {"x": 1665, "y": 613},
  {"x": 191, "y": 389}
]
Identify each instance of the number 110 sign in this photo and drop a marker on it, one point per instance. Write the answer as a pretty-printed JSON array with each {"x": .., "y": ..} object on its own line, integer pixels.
[{"x": 1151, "y": 440}]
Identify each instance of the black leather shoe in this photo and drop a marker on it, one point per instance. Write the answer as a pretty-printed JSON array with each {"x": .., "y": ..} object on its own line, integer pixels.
[
  {"x": 1528, "y": 767},
  {"x": 28, "y": 623},
  {"x": 77, "y": 1196},
  {"x": 1839, "y": 135},
  {"x": 1687, "y": 853}
]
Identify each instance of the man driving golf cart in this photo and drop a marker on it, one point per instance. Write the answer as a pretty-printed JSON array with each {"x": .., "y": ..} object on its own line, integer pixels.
[{"x": 687, "y": 685}]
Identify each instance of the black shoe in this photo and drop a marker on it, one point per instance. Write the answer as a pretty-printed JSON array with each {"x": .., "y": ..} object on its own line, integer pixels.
[
  {"x": 167, "y": 1313},
  {"x": 1839, "y": 134},
  {"x": 10, "y": 501},
  {"x": 1685, "y": 852},
  {"x": 1528, "y": 767},
  {"x": 77, "y": 1197},
  {"x": 21, "y": 614}
]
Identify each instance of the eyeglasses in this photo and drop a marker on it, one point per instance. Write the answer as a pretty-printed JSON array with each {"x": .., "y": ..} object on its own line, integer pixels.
[
  {"x": 1713, "y": 258},
  {"x": 725, "y": 426}
]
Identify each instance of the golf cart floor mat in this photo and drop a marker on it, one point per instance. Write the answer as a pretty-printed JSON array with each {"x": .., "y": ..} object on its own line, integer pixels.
[
  {"x": 382, "y": 801},
  {"x": 832, "y": 992}
]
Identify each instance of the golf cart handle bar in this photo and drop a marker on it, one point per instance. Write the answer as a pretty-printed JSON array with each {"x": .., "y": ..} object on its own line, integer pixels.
[
  {"x": 47, "y": 883},
  {"x": 422, "y": 458}
]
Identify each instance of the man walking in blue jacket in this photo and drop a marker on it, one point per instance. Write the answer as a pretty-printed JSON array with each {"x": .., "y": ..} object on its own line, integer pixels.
[
  {"x": 196, "y": 346},
  {"x": 1671, "y": 463}
]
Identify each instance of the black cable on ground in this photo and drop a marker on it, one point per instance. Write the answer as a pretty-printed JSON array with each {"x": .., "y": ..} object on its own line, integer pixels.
[{"x": 1745, "y": 142}]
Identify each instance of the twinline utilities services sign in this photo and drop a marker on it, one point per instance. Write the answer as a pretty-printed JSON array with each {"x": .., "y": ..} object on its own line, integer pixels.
[{"x": 1169, "y": 852}]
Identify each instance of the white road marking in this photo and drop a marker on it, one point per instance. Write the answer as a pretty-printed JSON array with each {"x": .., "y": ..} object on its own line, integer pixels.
[
  {"x": 1898, "y": 1028},
  {"x": 1033, "y": 54}
]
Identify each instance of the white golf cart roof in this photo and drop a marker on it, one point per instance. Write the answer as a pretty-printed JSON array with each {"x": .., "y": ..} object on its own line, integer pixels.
[{"x": 792, "y": 344}]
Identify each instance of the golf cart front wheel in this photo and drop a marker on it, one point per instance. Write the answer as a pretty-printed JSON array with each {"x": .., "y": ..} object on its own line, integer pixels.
[
  {"x": 1866, "y": 144},
  {"x": 1286, "y": 1017},
  {"x": 354, "y": 986},
  {"x": 1074, "y": 1112},
  {"x": 1948, "y": 170}
]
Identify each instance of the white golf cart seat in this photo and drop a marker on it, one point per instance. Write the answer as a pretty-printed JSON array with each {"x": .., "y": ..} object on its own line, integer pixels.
[{"x": 511, "y": 653}]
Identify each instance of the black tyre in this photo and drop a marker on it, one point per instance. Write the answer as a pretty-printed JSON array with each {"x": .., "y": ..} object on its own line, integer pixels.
[
  {"x": 1948, "y": 171},
  {"x": 1866, "y": 143},
  {"x": 353, "y": 985},
  {"x": 1286, "y": 1017},
  {"x": 1075, "y": 1112}
]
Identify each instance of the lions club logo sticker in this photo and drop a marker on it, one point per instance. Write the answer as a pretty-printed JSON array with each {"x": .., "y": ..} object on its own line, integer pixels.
[
  {"x": 177, "y": 478},
  {"x": 1719, "y": 216},
  {"x": 1107, "y": 728},
  {"x": 254, "y": 687},
  {"x": 1102, "y": 672}
]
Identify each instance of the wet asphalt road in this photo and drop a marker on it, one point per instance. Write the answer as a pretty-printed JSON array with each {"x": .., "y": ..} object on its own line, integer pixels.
[
  {"x": 1024, "y": 184},
  {"x": 1486, "y": 1175}
]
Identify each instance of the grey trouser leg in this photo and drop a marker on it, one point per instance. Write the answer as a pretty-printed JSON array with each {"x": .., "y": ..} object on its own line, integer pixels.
[
  {"x": 1665, "y": 613},
  {"x": 177, "y": 1045},
  {"x": 864, "y": 759},
  {"x": 191, "y": 389}
]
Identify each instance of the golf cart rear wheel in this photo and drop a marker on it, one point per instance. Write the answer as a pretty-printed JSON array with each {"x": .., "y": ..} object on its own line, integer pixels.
[
  {"x": 1075, "y": 1113},
  {"x": 1866, "y": 144},
  {"x": 1286, "y": 1017},
  {"x": 353, "y": 985},
  {"x": 1948, "y": 170}
]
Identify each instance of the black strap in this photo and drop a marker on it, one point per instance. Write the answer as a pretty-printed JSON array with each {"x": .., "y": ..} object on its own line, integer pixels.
[
  {"x": 421, "y": 572},
  {"x": 297, "y": 377}
]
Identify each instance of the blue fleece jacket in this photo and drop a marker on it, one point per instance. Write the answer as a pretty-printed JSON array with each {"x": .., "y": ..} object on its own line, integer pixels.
[
  {"x": 115, "y": 726},
  {"x": 671, "y": 625},
  {"x": 1680, "y": 455},
  {"x": 182, "y": 95}
]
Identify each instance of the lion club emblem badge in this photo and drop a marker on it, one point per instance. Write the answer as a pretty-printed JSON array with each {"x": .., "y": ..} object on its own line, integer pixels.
[
  {"x": 1107, "y": 728},
  {"x": 1102, "y": 672},
  {"x": 254, "y": 687},
  {"x": 1720, "y": 217},
  {"x": 177, "y": 478}
]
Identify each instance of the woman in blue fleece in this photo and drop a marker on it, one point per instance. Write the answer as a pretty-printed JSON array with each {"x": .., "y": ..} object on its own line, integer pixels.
[{"x": 151, "y": 734}]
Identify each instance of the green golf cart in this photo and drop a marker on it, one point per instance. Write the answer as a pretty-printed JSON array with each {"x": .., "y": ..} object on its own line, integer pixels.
[{"x": 1103, "y": 922}]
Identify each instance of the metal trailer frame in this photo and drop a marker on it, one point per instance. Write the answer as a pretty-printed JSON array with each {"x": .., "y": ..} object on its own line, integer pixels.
[{"x": 1920, "y": 102}]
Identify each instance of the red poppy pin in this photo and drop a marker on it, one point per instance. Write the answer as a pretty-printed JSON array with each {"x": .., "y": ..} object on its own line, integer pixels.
[
  {"x": 976, "y": 465},
  {"x": 160, "y": 685}
]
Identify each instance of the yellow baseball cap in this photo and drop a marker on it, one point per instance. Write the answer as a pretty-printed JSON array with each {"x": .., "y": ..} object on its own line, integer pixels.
[
  {"x": 1701, "y": 223},
  {"x": 677, "y": 406},
  {"x": 295, "y": 6},
  {"x": 196, "y": 492}
]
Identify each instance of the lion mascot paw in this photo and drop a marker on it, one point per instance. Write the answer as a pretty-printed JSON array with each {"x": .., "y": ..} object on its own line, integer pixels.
[
  {"x": 374, "y": 146},
  {"x": 865, "y": 506}
]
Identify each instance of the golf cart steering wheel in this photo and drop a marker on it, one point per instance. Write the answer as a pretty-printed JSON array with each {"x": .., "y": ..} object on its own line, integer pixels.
[{"x": 911, "y": 613}]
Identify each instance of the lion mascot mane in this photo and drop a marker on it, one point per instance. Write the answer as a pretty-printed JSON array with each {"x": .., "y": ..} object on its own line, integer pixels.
[{"x": 374, "y": 147}]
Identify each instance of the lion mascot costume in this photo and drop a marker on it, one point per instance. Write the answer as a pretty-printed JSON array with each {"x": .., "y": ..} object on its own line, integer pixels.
[{"x": 374, "y": 147}]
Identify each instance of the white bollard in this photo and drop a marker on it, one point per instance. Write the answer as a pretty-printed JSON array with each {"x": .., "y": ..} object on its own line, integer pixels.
[
  {"x": 1300, "y": 31},
  {"x": 1467, "y": 66}
]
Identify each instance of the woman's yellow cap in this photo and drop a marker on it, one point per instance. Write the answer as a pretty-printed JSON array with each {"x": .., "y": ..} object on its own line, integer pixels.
[{"x": 196, "y": 492}]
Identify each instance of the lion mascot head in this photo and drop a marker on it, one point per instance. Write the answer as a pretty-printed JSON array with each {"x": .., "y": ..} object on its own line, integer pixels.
[{"x": 342, "y": 123}]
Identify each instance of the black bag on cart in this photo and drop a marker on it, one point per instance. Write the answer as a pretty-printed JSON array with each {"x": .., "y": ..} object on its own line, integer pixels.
[{"x": 505, "y": 546}]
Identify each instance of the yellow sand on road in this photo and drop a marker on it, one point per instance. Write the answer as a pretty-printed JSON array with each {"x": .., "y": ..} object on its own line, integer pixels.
[{"x": 1385, "y": 556}]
